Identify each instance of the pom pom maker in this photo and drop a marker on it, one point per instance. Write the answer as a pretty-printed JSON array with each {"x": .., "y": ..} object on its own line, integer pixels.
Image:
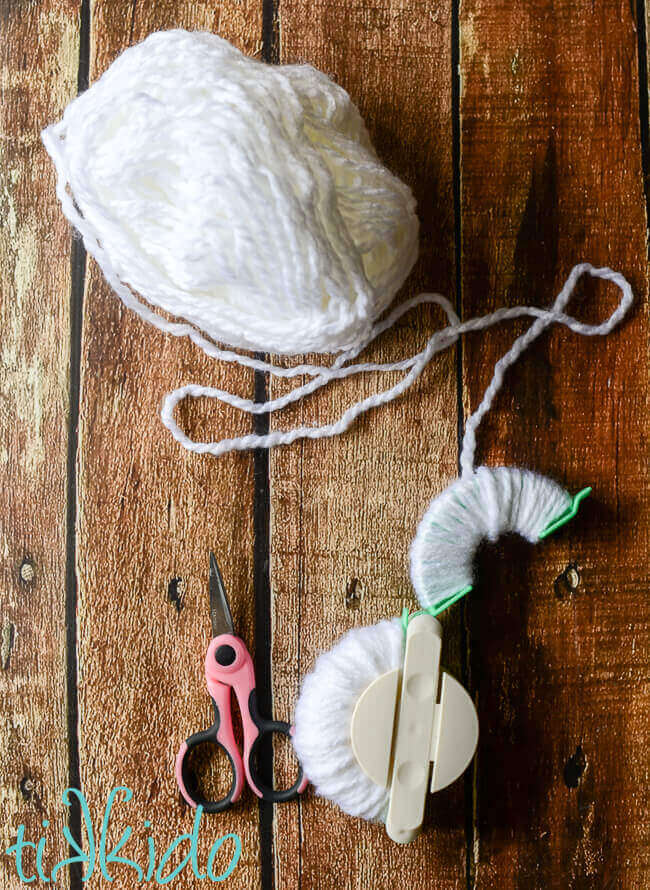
[{"x": 414, "y": 728}]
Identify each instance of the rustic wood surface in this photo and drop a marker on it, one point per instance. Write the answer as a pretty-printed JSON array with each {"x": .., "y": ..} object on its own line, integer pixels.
[
  {"x": 40, "y": 59},
  {"x": 523, "y": 131}
]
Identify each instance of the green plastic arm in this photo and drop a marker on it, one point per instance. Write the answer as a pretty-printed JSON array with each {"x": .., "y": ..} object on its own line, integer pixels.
[{"x": 568, "y": 514}]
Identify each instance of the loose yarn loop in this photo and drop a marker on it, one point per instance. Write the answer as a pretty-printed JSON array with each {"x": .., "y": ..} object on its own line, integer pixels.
[
  {"x": 484, "y": 505},
  {"x": 441, "y": 340},
  {"x": 323, "y": 716},
  {"x": 247, "y": 200}
]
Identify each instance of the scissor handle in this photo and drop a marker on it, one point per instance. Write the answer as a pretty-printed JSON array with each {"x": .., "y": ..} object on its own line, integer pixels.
[
  {"x": 265, "y": 727},
  {"x": 228, "y": 662},
  {"x": 228, "y": 665},
  {"x": 219, "y": 734}
]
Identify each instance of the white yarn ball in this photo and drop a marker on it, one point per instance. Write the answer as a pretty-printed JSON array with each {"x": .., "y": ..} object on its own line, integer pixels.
[
  {"x": 245, "y": 198},
  {"x": 485, "y": 504},
  {"x": 323, "y": 716}
]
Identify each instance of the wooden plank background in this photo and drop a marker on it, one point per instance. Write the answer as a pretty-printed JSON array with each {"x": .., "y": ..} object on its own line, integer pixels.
[{"x": 523, "y": 130}]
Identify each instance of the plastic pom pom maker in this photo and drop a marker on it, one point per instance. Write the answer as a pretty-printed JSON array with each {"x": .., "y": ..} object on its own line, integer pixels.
[
  {"x": 401, "y": 727},
  {"x": 407, "y": 736}
]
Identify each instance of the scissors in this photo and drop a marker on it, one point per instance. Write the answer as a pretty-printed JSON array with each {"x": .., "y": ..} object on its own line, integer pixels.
[{"x": 228, "y": 665}]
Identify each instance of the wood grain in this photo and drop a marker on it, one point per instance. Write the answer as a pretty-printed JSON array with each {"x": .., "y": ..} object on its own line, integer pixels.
[
  {"x": 38, "y": 77},
  {"x": 558, "y": 635},
  {"x": 344, "y": 510},
  {"x": 149, "y": 514},
  {"x": 552, "y": 175}
]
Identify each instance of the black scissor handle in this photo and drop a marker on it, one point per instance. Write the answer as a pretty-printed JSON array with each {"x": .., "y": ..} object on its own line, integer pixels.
[
  {"x": 266, "y": 727},
  {"x": 189, "y": 779}
]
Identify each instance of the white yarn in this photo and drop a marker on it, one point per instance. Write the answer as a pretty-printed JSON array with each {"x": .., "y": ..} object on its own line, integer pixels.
[
  {"x": 244, "y": 197},
  {"x": 484, "y": 505},
  {"x": 324, "y": 713},
  {"x": 247, "y": 200}
]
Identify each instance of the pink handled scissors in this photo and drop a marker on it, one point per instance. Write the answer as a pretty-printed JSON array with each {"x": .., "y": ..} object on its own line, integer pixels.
[{"x": 228, "y": 665}]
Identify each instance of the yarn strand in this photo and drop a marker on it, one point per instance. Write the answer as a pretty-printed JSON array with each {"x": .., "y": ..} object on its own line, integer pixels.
[
  {"x": 554, "y": 315},
  {"x": 413, "y": 365}
]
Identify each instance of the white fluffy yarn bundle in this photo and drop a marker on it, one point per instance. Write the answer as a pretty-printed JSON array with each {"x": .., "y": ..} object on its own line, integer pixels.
[
  {"x": 324, "y": 714},
  {"x": 246, "y": 200},
  {"x": 244, "y": 197}
]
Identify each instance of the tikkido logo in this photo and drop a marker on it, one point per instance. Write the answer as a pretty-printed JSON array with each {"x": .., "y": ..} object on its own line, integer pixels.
[{"x": 101, "y": 861}]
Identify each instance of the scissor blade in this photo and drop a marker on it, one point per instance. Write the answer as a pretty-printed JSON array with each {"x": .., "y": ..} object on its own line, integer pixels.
[{"x": 219, "y": 608}]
